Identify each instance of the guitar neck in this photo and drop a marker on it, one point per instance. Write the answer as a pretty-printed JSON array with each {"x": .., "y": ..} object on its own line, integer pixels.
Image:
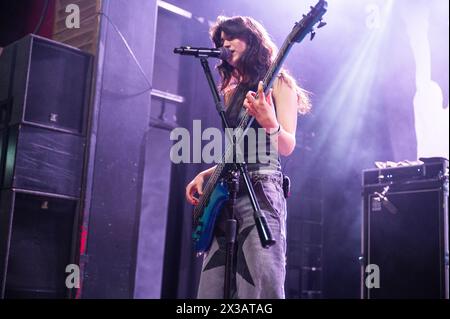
[
  {"x": 271, "y": 74},
  {"x": 268, "y": 80}
]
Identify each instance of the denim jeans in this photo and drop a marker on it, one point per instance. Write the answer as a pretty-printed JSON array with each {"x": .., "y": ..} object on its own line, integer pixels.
[{"x": 258, "y": 272}]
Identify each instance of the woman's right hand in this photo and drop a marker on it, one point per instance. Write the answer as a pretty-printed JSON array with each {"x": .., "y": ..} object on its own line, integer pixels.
[{"x": 195, "y": 187}]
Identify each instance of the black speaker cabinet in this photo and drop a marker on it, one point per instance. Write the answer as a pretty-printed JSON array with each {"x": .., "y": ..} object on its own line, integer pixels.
[
  {"x": 42, "y": 159},
  {"x": 405, "y": 232},
  {"x": 44, "y": 98},
  {"x": 38, "y": 241},
  {"x": 45, "y": 83}
]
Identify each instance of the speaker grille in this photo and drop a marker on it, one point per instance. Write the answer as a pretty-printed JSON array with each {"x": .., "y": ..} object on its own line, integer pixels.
[
  {"x": 40, "y": 245},
  {"x": 51, "y": 85},
  {"x": 406, "y": 246},
  {"x": 44, "y": 160}
]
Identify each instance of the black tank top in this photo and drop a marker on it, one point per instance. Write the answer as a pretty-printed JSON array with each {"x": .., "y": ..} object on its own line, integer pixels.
[{"x": 258, "y": 151}]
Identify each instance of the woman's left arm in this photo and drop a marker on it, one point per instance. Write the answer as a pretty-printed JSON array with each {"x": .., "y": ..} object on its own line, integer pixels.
[{"x": 285, "y": 119}]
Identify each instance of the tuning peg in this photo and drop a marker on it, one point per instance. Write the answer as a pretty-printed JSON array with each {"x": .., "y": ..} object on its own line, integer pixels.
[
  {"x": 313, "y": 34},
  {"x": 321, "y": 24}
]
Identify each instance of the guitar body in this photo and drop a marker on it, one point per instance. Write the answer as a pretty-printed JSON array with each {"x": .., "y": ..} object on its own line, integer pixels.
[{"x": 204, "y": 230}]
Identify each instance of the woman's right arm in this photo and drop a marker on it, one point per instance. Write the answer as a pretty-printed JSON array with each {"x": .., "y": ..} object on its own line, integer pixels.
[{"x": 196, "y": 185}]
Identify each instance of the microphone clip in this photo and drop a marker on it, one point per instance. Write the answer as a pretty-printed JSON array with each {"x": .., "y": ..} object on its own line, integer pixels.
[{"x": 382, "y": 198}]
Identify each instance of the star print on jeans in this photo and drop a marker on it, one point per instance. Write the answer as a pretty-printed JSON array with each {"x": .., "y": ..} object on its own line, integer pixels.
[{"x": 218, "y": 258}]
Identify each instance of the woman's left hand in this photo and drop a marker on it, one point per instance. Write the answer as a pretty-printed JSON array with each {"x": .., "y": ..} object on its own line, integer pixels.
[{"x": 261, "y": 108}]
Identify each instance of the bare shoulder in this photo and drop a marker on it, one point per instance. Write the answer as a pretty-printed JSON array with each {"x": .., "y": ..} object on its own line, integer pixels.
[
  {"x": 284, "y": 85},
  {"x": 287, "y": 90}
]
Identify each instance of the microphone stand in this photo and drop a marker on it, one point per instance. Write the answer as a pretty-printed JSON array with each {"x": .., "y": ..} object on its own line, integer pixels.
[{"x": 238, "y": 169}]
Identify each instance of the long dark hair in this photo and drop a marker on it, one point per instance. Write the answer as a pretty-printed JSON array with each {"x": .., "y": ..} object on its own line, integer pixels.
[{"x": 257, "y": 58}]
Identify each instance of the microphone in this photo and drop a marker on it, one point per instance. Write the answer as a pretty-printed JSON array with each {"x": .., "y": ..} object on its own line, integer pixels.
[{"x": 220, "y": 53}]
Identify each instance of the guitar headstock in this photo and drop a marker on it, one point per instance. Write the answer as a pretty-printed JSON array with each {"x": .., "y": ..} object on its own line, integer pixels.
[{"x": 307, "y": 23}]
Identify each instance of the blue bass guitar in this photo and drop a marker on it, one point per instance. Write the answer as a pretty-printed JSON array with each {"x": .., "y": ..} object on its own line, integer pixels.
[{"x": 204, "y": 224}]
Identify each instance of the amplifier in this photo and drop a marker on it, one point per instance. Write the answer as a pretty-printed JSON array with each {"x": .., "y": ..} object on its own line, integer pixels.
[
  {"x": 404, "y": 248},
  {"x": 431, "y": 169}
]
